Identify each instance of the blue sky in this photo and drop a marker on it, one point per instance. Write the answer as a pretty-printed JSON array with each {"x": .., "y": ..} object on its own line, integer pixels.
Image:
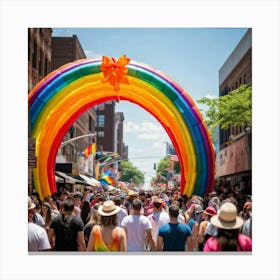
[{"x": 190, "y": 56}]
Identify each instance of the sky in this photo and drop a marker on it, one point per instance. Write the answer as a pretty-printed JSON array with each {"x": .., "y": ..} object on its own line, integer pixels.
[{"x": 190, "y": 56}]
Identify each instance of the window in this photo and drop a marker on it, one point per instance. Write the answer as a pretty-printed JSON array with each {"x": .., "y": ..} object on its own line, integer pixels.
[
  {"x": 34, "y": 56},
  {"x": 101, "y": 106},
  {"x": 100, "y": 120},
  {"x": 100, "y": 134},
  {"x": 46, "y": 66}
]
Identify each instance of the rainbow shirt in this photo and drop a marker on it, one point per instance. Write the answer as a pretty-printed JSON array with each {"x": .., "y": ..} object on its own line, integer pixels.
[{"x": 99, "y": 245}]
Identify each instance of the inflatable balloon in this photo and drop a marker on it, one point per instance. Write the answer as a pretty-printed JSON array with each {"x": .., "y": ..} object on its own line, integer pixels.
[{"x": 66, "y": 93}]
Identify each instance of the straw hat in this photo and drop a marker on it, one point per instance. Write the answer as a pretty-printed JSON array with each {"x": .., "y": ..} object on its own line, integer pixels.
[
  {"x": 31, "y": 205},
  {"x": 227, "y": 217},
  {"x": 108, "y": 208}
]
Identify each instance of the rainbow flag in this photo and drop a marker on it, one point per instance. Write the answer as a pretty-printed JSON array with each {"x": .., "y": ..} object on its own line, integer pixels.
[
  {"x": 89, "y": 150},
  {"x": 107, "y": 180}
]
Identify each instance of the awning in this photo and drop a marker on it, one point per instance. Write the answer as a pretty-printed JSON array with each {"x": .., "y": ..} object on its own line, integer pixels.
[
  {"x": 91, "y": 181},
  {"x": 59, "y": 180},
  {"x": 69, "y": 180}
]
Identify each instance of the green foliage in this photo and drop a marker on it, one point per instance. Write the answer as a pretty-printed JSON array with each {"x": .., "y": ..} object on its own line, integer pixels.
[
  {"x": 163, "y": 166},
  {"x": 232, "y": 109},
  {"x": 131, "y": 173}
]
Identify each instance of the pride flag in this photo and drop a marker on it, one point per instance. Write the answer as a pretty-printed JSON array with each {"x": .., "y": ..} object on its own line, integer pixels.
[{"x": 89, "y": 150}]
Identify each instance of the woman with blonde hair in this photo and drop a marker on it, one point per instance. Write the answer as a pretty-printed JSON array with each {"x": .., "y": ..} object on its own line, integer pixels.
[{"x": 108, "y": 236}]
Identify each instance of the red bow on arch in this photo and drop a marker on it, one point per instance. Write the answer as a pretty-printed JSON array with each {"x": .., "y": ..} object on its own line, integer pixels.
[{"x": 115, "y": 71}]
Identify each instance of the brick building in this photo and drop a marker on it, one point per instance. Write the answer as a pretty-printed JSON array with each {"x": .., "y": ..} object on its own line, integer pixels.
[
  {"x": 105, "y": 125},
  {"x": 65, "y": 50},
  {"x": 234, "y": 160}
]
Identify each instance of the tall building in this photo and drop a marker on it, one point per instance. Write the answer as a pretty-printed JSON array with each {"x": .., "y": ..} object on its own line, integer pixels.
[
  {"x": 65, "y": 50},
  {"x": 39, "y": 55},
  {"x": 39, "y": 65},
  {"x": 105, "y": 126},
  {"x": 234, "y": 160},
  {"x": 119, "y": 118}
]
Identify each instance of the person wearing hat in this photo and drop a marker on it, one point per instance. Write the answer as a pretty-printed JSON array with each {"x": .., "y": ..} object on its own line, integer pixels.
[
  {"x": 228, "y": 237},
  {"x": 206, "y": 229},
  {"x": 195, "y": 216},
  {"x": 158, "y": 217},
  {"x": 107, "y": 236},
  {"x": 37, "y": 235}
]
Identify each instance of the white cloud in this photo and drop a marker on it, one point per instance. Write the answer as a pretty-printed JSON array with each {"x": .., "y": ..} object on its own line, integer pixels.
[{"x": 146, "y": 130}]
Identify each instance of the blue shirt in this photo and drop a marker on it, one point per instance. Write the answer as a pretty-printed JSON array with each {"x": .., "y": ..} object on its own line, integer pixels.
[{"x": 174, "y": 236}]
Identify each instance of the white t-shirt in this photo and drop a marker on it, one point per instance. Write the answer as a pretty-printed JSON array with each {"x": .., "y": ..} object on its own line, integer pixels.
[
  {"x": 136, "y": 226},
  {"x": 37, "y": 238},
  {"x": 158, "y": 219},
  {"x": 38, "y": 219},
  {"x": 121, "y": 214}
]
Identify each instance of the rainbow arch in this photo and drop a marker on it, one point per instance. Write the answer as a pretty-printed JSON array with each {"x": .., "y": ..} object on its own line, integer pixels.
[{"x": 66, "y": 93}]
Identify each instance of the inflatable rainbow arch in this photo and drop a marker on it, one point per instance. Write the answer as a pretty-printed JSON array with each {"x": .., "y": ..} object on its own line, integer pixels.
[{"x": 66, "y": 93}]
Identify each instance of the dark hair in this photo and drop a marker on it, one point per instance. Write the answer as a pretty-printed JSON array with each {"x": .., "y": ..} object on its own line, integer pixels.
[
  {"x": 117, "y": 200},
  {"x": 109, "y": 220},
  {"x": 174, "y": 211},
  {"x": 68, "y": 205},
  {"x": 85, "y": 210},
  {"x": 228, "y": 239},
  {"x": 157, "y": 204},
  {"x": 136, "y": 204}
]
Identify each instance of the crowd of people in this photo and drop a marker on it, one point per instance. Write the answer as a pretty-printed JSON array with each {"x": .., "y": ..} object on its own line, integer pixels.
[{"x": 139, "y": 221}]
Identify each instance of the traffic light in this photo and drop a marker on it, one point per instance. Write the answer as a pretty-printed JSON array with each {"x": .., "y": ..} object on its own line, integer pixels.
[{"x": 155, "y": 166}]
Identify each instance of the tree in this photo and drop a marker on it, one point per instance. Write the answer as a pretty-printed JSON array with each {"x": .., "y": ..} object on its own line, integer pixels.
[
  {"x": 233, "y": 109},
  {"x": 164, "y": 165},
  {"x": 131, "y": 174}
]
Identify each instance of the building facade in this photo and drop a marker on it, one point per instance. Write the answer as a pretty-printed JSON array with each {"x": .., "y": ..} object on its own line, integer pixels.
[
  {"x": 66, "y": 50},
  {"x": 234, "y": 159},
  {"x": 105, "y": 126}
]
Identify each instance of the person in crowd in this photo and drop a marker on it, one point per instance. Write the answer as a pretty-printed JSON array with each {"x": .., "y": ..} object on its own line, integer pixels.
[
  {"x": 182, "y": 218},
  {"x": 66, "y": 230},
  {"x": 138, "y": 229},
  {"x": 108, "y": 236},
  {"x": 158, "y": 217},
  {"x": 131, "y": 195},
  {"x": 37, "y": 217},
  {"x": 206, "y": 229},
  {"x": 94, "y": 220},
  {"x": 77, "y": 198},
  {"x": 195, "y": 217},
  {"x": 142, "y": 195},
  {"x": 85, "y": 211},
  {"x": 37, "y": 235},
  {"x": 123, "y": 212},
  {"x": 47, "y": 214},
  {"x": 174, "y": 236},
  {"x": 228, "y": 237},
  {"x": 247, "y": 226}
]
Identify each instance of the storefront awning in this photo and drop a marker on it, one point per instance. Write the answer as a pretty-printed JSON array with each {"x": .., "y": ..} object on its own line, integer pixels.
[
  {"x": 91, "y": 181},
  {"x": 59, "y": 179},
  {"x": 69, "y": 180}
]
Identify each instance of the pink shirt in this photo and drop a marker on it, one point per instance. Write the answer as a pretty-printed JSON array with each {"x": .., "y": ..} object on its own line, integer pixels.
[{"x": 245, "y": 244}]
